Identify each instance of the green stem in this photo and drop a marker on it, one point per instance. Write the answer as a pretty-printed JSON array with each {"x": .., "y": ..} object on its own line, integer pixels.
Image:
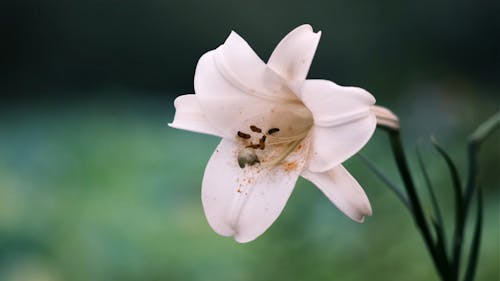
[
  {"x": 417, "y": 211},
  {"x": 460, "y": 213},
  {"x": 449, "y": 270}
]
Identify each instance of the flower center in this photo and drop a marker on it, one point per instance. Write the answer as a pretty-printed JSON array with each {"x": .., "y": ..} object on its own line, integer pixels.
[{"x": 270, "y": 145}]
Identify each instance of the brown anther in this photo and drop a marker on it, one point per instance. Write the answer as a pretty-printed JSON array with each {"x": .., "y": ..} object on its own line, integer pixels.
[
  {"x": 255, "y": 129},
  {"x": 262, "y": 142},
  {"x": 243, "y": 135},
  {"x": 273, "y": 130}
]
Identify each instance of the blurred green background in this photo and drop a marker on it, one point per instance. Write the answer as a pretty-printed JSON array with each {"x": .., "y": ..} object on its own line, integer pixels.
[{"x": 95, "y": 186}]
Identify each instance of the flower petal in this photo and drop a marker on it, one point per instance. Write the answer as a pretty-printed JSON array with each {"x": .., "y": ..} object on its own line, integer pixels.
[
  {"x": 245, "y": 202},
  {"x": 240, "y": 65},
  {"x": 343, "y": 122},
  {"x": 190, "y": 117},
  {"x": 332, "y": 104},
  {"x": 343, "y": 190},
  {"x": 292, "y": 57},
  {"x": 227, "y": 107}
]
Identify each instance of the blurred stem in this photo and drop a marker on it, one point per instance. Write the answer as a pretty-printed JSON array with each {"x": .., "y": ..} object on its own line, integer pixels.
[
  {"x": 438, "y": 223},
  {"x": 460, "y": 214},
  {"x": 476, "y": 240},
  {"x": 448, "y": 268},
  {"x": 416, "y": 207},
  {"x": 475, "y": 140},
  {"x": 430, "y": 188}
]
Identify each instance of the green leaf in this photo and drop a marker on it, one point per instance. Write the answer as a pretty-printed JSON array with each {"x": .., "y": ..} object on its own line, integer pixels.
[
  {"x": 476, "y": 240},
  {"x": 430, "y": 188},
  {"x": 441, "y": 246},
  {"x": 485, "y": 129},
  {"x": 394, "y": 188},
  {"x": 460, "y": 214},
  {"x": 475, "y": 140}
]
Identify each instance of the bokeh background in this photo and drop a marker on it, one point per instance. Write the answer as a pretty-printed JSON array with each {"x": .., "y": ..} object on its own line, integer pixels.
[{"x": 95, "y": 186}]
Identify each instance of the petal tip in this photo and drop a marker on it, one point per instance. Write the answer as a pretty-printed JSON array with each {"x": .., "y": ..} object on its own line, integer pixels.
[
  {"x": 308, "y": 27},
  {"x": 367, "y": 212},
  {"x": 242, "y": 239},
  {"x": 233, "y": 35}
]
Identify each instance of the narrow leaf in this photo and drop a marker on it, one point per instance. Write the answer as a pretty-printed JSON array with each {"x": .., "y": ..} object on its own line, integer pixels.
[
  {"x": 413, "y": 199},
  {"x": 485, "y": 129},
  {"x": 430, "y": 188},
  {"x": 476, "y": 240},
  {"x": 440, "y": 246},
  {"x": 460, "y": 214},
  {"x": 384, "y": 178},
  {"x": 475, "y": 140}
]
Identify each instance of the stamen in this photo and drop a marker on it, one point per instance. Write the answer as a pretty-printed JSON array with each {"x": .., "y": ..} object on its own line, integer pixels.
[
  {"x": 276, "y": 149},
  {"x": 243, "y": 135},
  {"x": 262, "y": 142},
  {"x": 284, "y": 154},
  {"x": 255, "y": 129},
  {"x": 281, "y": 140},
  {"x": 273, "y": 130}
]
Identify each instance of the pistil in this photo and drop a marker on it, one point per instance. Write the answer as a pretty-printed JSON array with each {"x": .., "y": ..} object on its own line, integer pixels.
[{"x": 275, "y": 147}]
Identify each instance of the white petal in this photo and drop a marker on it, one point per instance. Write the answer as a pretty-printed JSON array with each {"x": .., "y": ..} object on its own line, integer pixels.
[
  {"x": 343, "y": 122},
  {"x": 245, "y": 202},
  {"x": 332, "y": 104},
  {"x": 227, "y": 106},
  {"x": 292, "y": 57},
  {"x": 190, "y": 117},
  {"x": 343, "y": 190},
  {"x": 241, "y": 66}
]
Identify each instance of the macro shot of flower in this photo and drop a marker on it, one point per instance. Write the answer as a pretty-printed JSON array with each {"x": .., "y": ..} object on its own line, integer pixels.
[
  {"x": 275, "y": 126},
  {"x": 249, "y": 140}
]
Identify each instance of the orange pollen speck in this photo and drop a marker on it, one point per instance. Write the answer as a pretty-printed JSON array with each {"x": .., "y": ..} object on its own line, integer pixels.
[
  {"x": 290, "y": 166},
  {"x": 299, "y": 147}
]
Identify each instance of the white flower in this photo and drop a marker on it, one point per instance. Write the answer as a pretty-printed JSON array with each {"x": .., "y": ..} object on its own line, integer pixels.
[{"x": 275, "y": 126}]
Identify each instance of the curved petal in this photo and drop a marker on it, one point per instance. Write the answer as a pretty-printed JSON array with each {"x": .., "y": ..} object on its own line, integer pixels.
[
  {"x": 343, "y": 122},
  {"x": 332, "y": 146},
  {"x": 343, "y": 190},
  {"x": 190, "y": 117},
  {"x": 292, "y": 57},
  {"x": 240, "y": 65},
  {"x": 332, "y": 104},
  {"x": 245, "y": 202},
  {"x": 227, "y": 107}
]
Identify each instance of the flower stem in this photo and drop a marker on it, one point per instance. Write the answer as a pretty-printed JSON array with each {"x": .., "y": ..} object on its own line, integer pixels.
[
  {"x": 417, "y": 211},
  {"x": 447, "y": 267}
]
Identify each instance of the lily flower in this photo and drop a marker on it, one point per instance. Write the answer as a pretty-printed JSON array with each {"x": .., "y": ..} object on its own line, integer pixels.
[{"x": 275, "y": 126}]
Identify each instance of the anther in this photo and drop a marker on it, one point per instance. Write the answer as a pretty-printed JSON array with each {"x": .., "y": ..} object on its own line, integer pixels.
[
  {"x": 243, "y": 135},
  {"x": 262, "y": 142},
  {"x": 273, "y": 130},
  {"x": 255, "y": 129}
]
